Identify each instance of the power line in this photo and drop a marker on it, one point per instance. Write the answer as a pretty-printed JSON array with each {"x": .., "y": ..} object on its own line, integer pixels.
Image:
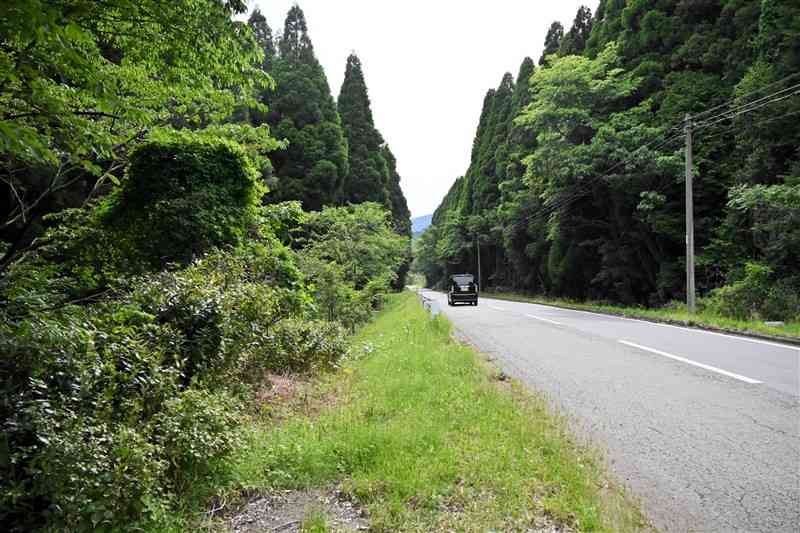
[
  {"x": 732, "y": 100},
  {"x": 742, "y": 110},
  {"x": 564, "y": 201},
  {"x": 560, "y": 203},
  {"x": 757, "y": 123}
]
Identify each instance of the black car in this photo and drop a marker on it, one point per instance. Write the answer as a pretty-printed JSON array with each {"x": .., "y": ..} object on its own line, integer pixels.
[{"x": 463, "y": 289}]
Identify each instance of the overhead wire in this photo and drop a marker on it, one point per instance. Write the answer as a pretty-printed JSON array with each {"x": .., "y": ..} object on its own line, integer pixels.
[
  {"x": 550, "y": 208},
  {"x": 762, "y": 102},
  {"x": 757, "y": 123},
  {"x": 740, "y": 97}
]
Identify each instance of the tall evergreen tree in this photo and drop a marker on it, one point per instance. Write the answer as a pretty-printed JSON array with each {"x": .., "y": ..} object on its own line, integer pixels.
[
  {"x": 400, "y": 213},
  {"x": 368, "y": 180},
  {"x": 606, "y": 27},
  {"x": 552, "y": 41},
  {"x": 263, "y": 35},
  {"x": 574, "y": 42},
  {"x": 301, "y": 110}
]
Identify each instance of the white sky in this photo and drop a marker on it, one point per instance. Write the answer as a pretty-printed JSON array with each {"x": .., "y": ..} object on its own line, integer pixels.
[{"x": 428, "y": 65}]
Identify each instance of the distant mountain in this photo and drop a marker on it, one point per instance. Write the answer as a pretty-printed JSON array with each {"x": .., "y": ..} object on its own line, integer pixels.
[{"x": 420, "y": 224}]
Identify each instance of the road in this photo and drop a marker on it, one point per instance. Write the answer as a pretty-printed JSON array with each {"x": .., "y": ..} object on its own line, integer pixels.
[{"x": 703, "y": 428}]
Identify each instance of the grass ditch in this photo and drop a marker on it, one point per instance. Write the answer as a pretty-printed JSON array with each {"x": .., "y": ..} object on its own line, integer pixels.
[
  {"x": 425, "y": 438},
  {"x": 674, "y": 315}
]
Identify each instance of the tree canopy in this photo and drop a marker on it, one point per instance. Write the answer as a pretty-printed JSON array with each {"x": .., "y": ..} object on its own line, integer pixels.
[{"x": 580, "y": 192}]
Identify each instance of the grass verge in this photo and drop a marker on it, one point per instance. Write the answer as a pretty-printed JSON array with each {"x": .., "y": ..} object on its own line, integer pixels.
[
  {"x": 676, "y": 314},
  {"x": 425, "y": 438}
]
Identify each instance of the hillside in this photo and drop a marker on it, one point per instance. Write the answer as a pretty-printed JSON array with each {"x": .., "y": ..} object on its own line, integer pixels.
[{"x": 420, "y": 224}]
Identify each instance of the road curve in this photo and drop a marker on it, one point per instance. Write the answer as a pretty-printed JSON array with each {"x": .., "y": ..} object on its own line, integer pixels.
[{"x": 704, "y": 428}]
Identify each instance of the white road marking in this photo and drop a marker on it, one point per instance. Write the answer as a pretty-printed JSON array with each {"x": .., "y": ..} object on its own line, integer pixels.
[
  {"x": 691, "y": 330},
  {"x": 496, "y": 308},
  {"x": 694, "y": 363},
  {"x": 545, "y": 320}
]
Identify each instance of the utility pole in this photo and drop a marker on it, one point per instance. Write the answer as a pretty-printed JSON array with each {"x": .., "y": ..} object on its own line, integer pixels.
[
  {"x": 478, "y": 244},
  {"x": 690, "y": 291}
]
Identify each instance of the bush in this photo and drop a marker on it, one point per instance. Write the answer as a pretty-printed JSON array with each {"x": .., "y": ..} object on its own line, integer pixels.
[
  {"x": 783, "y": 301},
  {"x": 112, "y": 407},
  {"x": 301, "y": 345},
  {"x": 195, "y": 432},
  {"x": 78, "y": 387},
  {"x": 757, "y": 296},
  {"x": 96, "y": 477},
  {"x": 183, "y": 195}
]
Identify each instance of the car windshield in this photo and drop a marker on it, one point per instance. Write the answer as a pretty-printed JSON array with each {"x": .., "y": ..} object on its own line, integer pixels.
[{"x": 463, "y": 279}]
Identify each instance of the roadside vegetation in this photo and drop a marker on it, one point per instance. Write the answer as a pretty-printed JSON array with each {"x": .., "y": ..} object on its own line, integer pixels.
[
  {"x": 676, "y": 313},
  {"x": 423, "y": 435},
  {"x": 152, "y": 276},
  {"x": 129, "y": 350}
]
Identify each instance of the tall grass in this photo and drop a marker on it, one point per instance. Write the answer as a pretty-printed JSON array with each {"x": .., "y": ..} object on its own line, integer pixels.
[{"x": 426, "y": 440}]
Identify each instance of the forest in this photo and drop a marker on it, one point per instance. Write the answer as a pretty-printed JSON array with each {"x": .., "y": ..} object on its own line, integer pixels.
[
  {"x": 575, "y": 187},
  {"x": 185, "y": 207}
]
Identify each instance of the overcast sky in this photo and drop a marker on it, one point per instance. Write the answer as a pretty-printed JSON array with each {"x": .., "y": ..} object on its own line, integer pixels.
[{"x": 428, "y": 65}]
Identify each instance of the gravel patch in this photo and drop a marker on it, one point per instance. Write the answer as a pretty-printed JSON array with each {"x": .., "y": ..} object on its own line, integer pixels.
[{"x": 285, "y": 511}]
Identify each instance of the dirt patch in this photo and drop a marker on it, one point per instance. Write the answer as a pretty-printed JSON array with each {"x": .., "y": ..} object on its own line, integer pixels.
[
  {"x": 285, "y": 512},
  {"x": 280, "y": 388}
]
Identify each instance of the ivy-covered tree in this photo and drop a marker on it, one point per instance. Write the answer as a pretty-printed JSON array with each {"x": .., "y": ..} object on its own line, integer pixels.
[{"x": 84, "y": 81}]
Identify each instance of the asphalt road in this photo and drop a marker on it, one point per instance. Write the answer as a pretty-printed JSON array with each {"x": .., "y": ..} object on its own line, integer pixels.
[{"x": 703, "y": 428}]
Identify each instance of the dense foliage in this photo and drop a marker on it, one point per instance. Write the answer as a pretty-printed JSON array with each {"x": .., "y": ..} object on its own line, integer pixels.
[
  {"x": 119, "y": 403},
  {"x": 575, "y": 186},
  {"x": 83, "y": 81},
  {"x": 145, "y": 288}
]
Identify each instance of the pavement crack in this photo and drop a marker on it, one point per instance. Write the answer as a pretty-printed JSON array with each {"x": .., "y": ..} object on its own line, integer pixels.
[{"x": 767, "y": 426}]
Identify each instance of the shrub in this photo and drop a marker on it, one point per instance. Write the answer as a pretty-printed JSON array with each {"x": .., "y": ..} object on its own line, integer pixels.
[
  {"x": 757, "y": 296},
  {"x": 783, "y": 301},
  {"x": 78, "y": 386},
  {"x": 195, "y": 431},
  {"x": 97, "y": 477},
  {"x": 118, "y": 383},
  {"x": 301, "y": 345}
]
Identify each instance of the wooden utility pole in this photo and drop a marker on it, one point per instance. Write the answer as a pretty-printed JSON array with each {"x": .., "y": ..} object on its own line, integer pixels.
[
  {"x": 478, "y": 245},
  {"x": 690, "y": 291}
]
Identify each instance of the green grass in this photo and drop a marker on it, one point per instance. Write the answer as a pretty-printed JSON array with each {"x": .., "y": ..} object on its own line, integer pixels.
[
  {"x": 315, "y": 523},
  {"x": 673, "y": 313},
  {"x": 424, "y": 437}
]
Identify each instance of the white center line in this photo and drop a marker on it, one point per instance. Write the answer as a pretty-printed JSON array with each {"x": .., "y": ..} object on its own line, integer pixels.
[
  {"x": 694, "y": 363},
  {"x": 496, "y": 308},
  {"x": 544, "y": 320}
]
